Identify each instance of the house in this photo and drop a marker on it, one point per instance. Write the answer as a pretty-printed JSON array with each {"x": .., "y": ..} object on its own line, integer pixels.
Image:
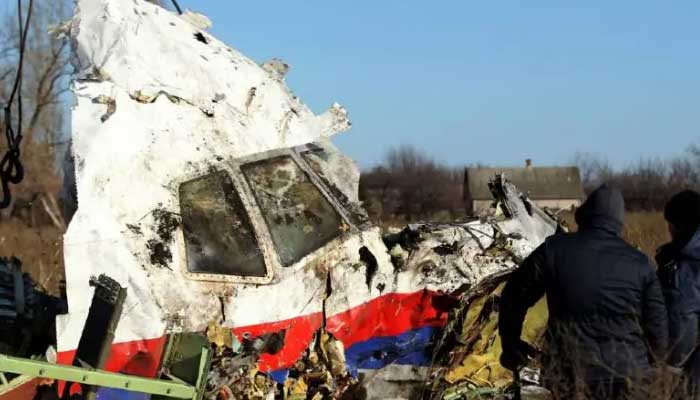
[{"x": 552, "y": 187}]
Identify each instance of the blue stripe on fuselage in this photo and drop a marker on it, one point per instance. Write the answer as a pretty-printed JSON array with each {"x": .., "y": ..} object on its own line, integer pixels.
[
  {"x": 414, "y": 347},
  {"x": 119, "y": 394}
]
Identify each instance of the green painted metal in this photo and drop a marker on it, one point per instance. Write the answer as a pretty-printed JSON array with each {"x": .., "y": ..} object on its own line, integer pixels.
[
  {"x": 22, "y": 366},
  {"x": 182, "y": 358},
  {"x": 186, "y": 360},
  {"x": 204, "y": 365}
]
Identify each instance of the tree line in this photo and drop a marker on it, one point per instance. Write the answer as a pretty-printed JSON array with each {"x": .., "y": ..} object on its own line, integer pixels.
[
  {"x": 409, "y": 185},
  {"x": 649, "y": 182}
]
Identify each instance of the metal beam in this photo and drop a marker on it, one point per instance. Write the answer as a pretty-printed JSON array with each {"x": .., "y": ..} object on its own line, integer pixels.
[
  {"x": 204, "y": 365},
  {"x": 97, "y": 378}
]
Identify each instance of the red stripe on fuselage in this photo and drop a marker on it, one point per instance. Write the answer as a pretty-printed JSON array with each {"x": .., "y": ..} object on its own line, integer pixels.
[
  {"x": 138, "y": 357},
  {"x": 388, "y": 315},
  {"x": 298, "y": 334}
]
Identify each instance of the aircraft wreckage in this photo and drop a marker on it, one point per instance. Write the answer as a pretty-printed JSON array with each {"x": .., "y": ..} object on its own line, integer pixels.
[{"x": 213, "y": 196}]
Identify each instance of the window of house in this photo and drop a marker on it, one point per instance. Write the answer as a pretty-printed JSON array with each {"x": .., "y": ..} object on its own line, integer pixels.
[
  {"x": 219, "y": 238},
  {"x": 299, "y": 217}
]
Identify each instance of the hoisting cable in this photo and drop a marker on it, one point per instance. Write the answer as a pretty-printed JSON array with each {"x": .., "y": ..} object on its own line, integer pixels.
[
  {"x": 177, "y": 7},
  {"x": 11, "y": 169}
]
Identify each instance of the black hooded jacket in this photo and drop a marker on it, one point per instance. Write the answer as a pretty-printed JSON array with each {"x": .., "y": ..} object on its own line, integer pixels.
[
  {"x": 607, "y": 317},
  {"x": 679, "y": 273}
]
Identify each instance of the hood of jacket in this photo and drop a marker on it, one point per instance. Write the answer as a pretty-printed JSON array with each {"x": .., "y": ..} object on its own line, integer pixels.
[
  {"x": 692, "y": 248},
  {"x": 604, "y": 209}
]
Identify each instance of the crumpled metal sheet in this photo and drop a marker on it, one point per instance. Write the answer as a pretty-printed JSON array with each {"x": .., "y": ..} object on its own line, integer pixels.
[{"x": 467, "y": 356}]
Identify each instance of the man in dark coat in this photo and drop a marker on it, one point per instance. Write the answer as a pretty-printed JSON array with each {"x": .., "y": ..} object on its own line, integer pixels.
[
  {"x": 679, "y": 273},
  {"x": 607, "y": 318}
]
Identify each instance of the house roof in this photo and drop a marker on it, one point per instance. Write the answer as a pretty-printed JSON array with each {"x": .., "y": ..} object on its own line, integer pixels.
[{"x": 539, "y": 183}]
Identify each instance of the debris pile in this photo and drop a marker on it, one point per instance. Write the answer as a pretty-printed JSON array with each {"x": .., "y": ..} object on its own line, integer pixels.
[
  {"x": 320, "y": 373},
  {"x": 233, "y": 374},
  {"x": 467, "y": 354},
  {"x": 472, "y": 261},
  {"x": 232, "y": 377}
]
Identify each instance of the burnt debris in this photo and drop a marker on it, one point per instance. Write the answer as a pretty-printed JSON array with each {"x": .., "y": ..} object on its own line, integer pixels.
[
  {"x": 134, "y": 228},
  {"x": 319, "y": 373},
  {"x": 199, "y": 36},
  {"x": 159, "y": 253},
  {"x": 447, "y": 249},
  {"x": 166, "y": 223},
  {"x": 370, "y": 261}
]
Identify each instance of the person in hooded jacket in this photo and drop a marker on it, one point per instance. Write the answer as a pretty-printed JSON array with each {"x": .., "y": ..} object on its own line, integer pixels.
[
  {"x": 607, "y": 318},
  {"x": 679, "y": 272}
]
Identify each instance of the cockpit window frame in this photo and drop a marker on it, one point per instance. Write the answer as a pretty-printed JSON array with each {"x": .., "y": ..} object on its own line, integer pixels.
[
  {"x": 259, "y": 234},
  {"x": 263, "y": 237}
]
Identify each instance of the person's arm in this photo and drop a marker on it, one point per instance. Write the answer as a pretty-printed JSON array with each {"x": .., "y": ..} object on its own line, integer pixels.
[
  {"x": 523, "y": 289},
  {"x": 655, "y": 317},
  {"x": 685, "y": 340}
]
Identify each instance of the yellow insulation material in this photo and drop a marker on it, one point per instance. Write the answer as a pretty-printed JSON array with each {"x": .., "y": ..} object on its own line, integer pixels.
[{"x": 480, "y": 332}]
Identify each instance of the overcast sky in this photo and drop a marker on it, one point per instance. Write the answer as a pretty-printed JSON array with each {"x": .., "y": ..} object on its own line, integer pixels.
[{"x": 495, "y": 82}]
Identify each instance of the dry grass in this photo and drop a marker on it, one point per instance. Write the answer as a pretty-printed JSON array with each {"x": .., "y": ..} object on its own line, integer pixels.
[
  {"x": 26, "y": 229},
  {"x": 646, "y": 231},
  {"x": 40, "y": 249}
]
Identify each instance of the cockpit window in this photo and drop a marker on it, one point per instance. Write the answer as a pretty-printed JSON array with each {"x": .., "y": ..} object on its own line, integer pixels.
[
  {"x": 335, "y": 171},
  {"x": 299, "y": 217},
  {"x": 219, "y": 238}
]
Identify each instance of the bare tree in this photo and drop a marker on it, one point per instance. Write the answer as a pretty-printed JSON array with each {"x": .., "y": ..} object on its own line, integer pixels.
[
  {"x": 694, "y": 151},
  {"x": 645, "y": 185},
  {"x": 683, "y": 173},
  {"x": 44, "y": 92},
  {"x": 33, "y": 226},
  {"x": 693, "y": 157},
  {"x": 45, "y": 65},
  {"x": 410, "y": 185},
  {"x": 594, "y": 169},
  {"x": 648, "y": 183}
]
